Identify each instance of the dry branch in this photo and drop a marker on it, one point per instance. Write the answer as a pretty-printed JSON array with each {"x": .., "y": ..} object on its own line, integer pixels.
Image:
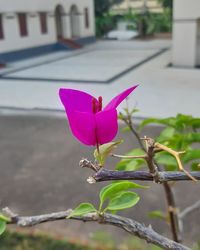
[
  {"x": 129, "y": 225},
  {"x": 164, "y": 176}
]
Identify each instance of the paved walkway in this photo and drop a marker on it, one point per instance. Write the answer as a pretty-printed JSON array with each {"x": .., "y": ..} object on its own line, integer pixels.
[
  {"x": 39, "y": 173},
  {"x": 164, "y": 91}
]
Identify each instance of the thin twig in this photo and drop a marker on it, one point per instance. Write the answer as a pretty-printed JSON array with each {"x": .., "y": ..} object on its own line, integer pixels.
[
  {"x": 129, "y": 225},
  {"x": 190, "y": 209},
  {"x": 128, "y": 122},
  {"x": 174, "y": 220},
  {"x": 129, "y": 156}
]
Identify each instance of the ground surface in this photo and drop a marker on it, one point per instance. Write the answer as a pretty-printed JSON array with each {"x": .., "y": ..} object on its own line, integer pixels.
[
  {"x": 39, "y": 173},
  {"x": 163, "y": 91}
]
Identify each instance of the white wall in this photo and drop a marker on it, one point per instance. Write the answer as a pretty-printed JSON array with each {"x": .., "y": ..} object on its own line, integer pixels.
[
  {"x": 13, "y": 41},
  {"x": 186, "y": 33},
  {"x": 186, "y": 9}
]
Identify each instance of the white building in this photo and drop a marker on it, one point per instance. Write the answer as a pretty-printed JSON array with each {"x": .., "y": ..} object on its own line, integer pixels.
[
  {"x": 28, "y": 24},
  {"x": 186, "y": 33},
  {"x": 137, "y": 6}
]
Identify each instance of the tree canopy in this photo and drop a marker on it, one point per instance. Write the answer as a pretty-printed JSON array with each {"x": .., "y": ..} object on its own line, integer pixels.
[{"x": 103, "y": 6}]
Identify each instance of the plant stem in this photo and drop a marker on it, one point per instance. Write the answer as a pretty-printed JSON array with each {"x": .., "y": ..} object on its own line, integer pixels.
[{"x": 175, "y": 230}]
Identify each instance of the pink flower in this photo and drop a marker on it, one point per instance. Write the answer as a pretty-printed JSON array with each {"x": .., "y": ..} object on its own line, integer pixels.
[{"x": 88, "y": 122}]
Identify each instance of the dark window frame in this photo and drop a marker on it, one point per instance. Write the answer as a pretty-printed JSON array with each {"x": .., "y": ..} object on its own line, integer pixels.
[
  {"x": 1, "y": 27},
  {"x": 86, "y": 14},
  {"x": 43, "y": 22},
  {"x": 23, "y": 26}
]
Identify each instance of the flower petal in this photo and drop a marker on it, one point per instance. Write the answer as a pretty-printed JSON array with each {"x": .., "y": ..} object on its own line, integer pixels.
[
  {"x": 76, "y": 100},
  {"x": 83, "y": 126},
  {"x": 119, "y": 98},
  {"x": 106, "y": 125}
]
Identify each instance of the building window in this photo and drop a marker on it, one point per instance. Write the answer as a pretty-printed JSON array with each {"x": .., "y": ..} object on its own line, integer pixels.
[
  {"x": 1, "y": 27},
  {"x": 86, "y": 18},
  {"x": 43, "y": 22},
  {"x": 22, "y": 24}
]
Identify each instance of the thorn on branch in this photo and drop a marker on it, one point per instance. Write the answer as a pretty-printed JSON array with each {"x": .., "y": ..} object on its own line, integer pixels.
[{"x": 177, "y": 157}]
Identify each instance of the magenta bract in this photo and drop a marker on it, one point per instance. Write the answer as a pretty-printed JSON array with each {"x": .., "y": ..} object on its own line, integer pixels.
[{"x": 88, "y": 122}]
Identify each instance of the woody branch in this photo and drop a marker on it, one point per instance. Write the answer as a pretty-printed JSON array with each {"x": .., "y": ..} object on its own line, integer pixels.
[{"x": 129, "y": 225}]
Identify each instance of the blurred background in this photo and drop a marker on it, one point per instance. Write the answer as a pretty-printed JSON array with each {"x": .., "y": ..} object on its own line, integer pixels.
[{"x": 101, "y": 47}]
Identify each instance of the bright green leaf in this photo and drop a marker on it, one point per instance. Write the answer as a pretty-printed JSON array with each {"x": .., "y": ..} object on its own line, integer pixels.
[
  {"x": 2, "y": 226},
  {"x": 4, "y": 218},
  {"x": 135, "y": 164},
  {"x": 157, "y": 214},
  {"x": 83, "y": 208},
  {"x": 105, "y": 150},
  {"x": 122, "y": 201},
  {"x": 148, "y": 121},
  {"x": 166, "y": 134},
  {"x": 112, "y": 190},
  {"x": 192, "y": 137},
  {"x": 132, "y": 164},
  {"x": 190, "y": 155}
]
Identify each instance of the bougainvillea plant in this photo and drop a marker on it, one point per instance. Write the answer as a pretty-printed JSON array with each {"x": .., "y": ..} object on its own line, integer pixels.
[
  {"x": 90, "y": 123},
  {"x": 96, "y": 126}
]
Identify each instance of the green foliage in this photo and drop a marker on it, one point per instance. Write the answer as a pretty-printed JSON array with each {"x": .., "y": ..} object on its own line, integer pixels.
[
  {"x": 104, "y": 20},
  {"x": 195, "y": 166},
  {"x": 150, "y": 23},
  {"x": 157, "y": 214},
  {"x": 113, "y": 190},
  {"x": 82, "y": 209},
  {"x": 181, "y": 133},
  {"x": 158, "y": 23},
  {"x": 104, "y": 24},
  {"x": 180, "y": 122},
  {"x": 113, "y": 197},
  {"x": 3, "y": 222},
  {"x": 132, "y": 164},
  {"x": 2, "y": 226},
  {"x": 21, "y": 241},
  {"x": 105, "y": 150},
  {"x": 166, "y": 3},
  {"x": 123, "y": 201},
  {"x": 103, "y": 240},
  {"x": 103, "y": 6}
]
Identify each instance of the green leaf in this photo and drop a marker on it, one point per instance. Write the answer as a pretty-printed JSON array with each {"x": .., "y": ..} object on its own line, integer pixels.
[
  {"x": 192, "y": 137},
  {"x": 2, "y": 226},
  {"x": 157, "y": 214},
  {"x": 192, "y": 154},
  {"x": 83, "y": 208},
  {"x": 179, "y": 122},
  {"x": 132, "y": 164},
  {"x": 135, "y": 164},
  {"x": 105, "y": 150},
  {"x": 166, "y": 159},
  {"x": 122, "y": 201},
  {"x": 147, "y": 122},
  {"x": 166, "y": 134},
  {"x": 195, "y": 166},
  {"x": 4, "y": 218},
  {"x": 112, "y": 190}
]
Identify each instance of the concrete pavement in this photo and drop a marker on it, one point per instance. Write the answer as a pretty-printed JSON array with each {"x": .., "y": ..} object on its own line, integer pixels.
[
  {"x": 164, "y": 91},
  {"x": 40, "y": 173}
]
